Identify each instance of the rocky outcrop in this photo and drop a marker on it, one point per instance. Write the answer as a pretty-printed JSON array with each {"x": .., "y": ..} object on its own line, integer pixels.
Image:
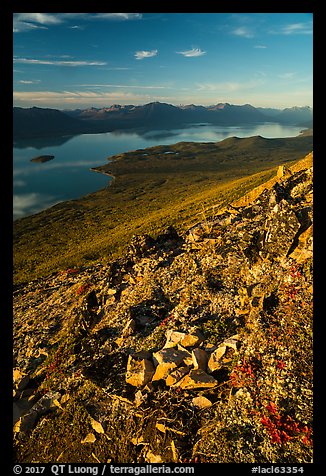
[
  {"x": 48, "y": 402},
  {"x": 177, "y": 366},
  {"x": 139, "y": 371},
  {"x": 192, "y": 347}
]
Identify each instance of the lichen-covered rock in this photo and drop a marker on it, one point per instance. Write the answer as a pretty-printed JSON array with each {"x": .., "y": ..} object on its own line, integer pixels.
[
  {"x": 280, "y": 229},
  {"x": 140, "y": 245},
  {"x": 199, "y": 358},
  {"x": 25, "y": 423},
  {"x": 201, "y": 402},
  {"x": 169, "y": 356},
  {"x": 192, "y": 339},
  {"x": 166, "y": 360},
  {"x": 153, "y": 458},
  {"x": 22, "y": 383},
  {"x": 196, "y": 379},
  {"x": 163, "y": 370},
  {"x": 173, "y": 338},
  {"x": 177, "y": 375},
  {"x": 139, "y": 371},
  {"x": 214, "y": 362},
  {"x": 304, "y": 249},
  {"x": 232, "y": 343},
  {"x": 48, "y": 402}
]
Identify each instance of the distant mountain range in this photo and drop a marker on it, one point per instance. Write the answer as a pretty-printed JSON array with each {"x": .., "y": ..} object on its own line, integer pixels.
[
  {"x": 42, "y": 122},
  {"x": 39, "y": 122}
]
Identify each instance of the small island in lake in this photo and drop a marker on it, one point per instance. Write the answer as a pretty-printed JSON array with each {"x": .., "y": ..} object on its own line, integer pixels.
[{"x": 42, "y": 158}]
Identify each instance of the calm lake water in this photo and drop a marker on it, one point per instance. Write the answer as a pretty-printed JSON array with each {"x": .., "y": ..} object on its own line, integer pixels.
[{"x": 38, "y": 186}]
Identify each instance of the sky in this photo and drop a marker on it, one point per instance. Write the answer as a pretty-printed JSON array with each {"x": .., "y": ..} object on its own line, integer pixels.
[{"x": 81, "y": 60}]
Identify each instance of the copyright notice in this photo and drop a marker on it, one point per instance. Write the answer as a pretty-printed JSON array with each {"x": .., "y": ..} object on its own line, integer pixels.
[
  {"x": 58, "y": 469},
  {"x": 61, "y": 469}
]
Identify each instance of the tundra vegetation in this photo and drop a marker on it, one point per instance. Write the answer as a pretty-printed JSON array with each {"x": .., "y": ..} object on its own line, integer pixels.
[{"x": 168, "y": 318}]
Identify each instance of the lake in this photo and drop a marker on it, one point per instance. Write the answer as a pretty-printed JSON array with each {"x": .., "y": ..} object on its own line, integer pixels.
[{"x": 39, "y": 185}]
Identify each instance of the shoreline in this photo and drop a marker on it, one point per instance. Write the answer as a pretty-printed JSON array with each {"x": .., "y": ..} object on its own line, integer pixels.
[
  {"x": 119, "y": 158},
  {"x": 93, "y": 169},
  {"x": 143, "y": 201}
]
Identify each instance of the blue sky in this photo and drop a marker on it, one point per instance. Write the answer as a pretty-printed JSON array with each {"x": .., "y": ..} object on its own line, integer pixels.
[{"x": 79, "y": 60}]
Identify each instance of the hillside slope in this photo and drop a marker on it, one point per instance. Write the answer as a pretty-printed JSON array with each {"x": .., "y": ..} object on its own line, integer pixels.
[
  {"x": 153, "y": 188},
  {"x": 192, "y": 347}
]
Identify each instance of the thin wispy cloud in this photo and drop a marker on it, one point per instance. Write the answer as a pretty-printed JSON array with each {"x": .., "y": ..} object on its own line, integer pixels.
[
  {"x": 116, "y": 68},
  {"x": 90, "y": 98},
  {"x": 243, "y": 31},
  {"x": 240, "y": 18},
  {"x": 29, "y": 81},
  {"x": 139, "y": 55},
  {"x": 192, "y": 53},
  {"x": 289, "y": 75},
  {"x": 31, "y": 21},
  {"x": 127, "y": 86},
  {"x": 297, "y": 29},
  {"x": 261, "y": 74},
  {"x": 59, "y": 63},
  {"x": 21, "y": 26},
  {"x": 64, "y": 17},
  {"x": 260, "y": 47},
  {"x": 229, "y": 86},
  {"x": 118, "y": 16},
  {"x": 303, "y": 28},
  {"x": 42, "y": 18}
]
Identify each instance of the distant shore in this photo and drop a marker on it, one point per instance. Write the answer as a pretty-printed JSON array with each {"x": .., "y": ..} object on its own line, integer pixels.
[{"x": 93, "y": 169}]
